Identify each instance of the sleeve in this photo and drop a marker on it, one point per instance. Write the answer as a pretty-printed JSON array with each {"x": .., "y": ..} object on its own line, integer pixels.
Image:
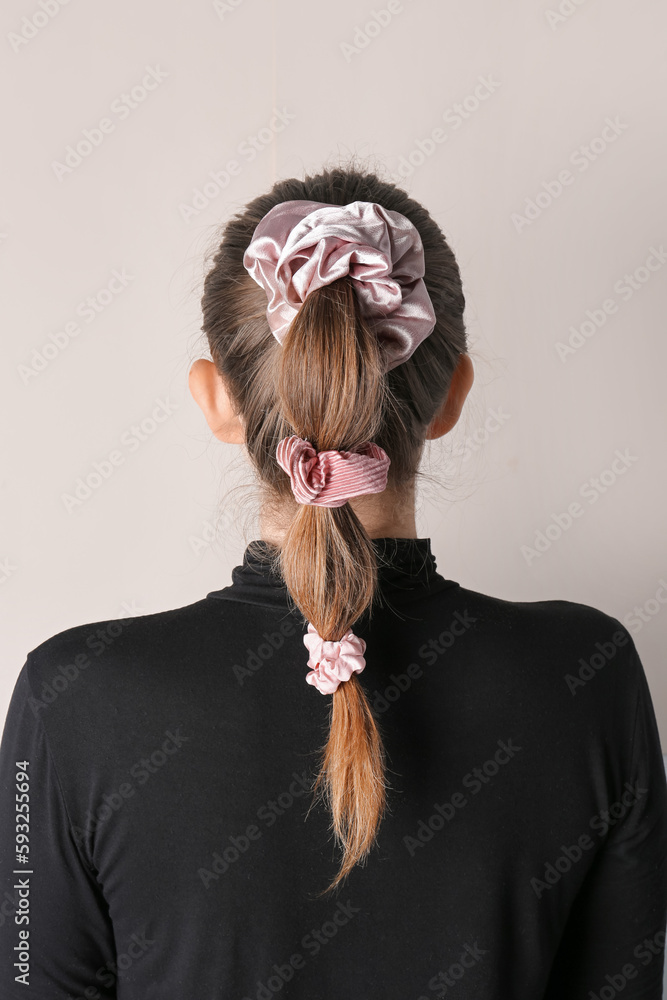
[
  {"x": 614, "y": 941},
  {"x": 56, "y": 935}
]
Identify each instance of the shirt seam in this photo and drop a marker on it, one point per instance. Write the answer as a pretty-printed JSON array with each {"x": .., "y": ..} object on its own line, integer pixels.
[
  {"x": 635, "y": 665},
  {"x": 40, "y": 723},
  {"x": 637, "y": 669},
  {"x": 220, "y": 595}
]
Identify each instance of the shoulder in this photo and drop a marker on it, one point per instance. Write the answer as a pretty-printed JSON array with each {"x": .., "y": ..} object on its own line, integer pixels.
[
  {"x": 575, "y": 640},
  {"x": 112, "y": 646},
  {"x": 553, "y": 614}
]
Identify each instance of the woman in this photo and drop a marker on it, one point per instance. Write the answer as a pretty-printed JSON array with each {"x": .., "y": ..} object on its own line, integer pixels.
[{"x": 343, "y": 775}]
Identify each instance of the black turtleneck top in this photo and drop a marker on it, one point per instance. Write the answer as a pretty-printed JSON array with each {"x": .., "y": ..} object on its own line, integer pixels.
[{"x": 155, "y": 835}]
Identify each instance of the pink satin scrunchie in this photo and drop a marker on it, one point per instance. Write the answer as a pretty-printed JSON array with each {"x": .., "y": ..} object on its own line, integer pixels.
[
  {"x": 300, "y": 245},
  {"x": 330, "y": 478},
  {"x": 332, "y": 663}
]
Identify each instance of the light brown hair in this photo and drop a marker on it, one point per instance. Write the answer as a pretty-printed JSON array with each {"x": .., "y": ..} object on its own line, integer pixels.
[{"x": 326, "y": 383}]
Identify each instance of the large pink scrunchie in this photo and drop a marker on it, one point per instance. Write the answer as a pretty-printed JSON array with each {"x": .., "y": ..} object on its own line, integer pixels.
[
  {"x": 332, "y": 663},
  {"x": 300, "y": 245},
  {"x": 330, "y": 478}
]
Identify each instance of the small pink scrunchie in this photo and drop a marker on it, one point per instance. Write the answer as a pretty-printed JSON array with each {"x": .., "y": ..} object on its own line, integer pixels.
[
  {"x": 300, "y": 245},
  {"x": 332, "y": 663},
  {"x": 330, "y": 478}
]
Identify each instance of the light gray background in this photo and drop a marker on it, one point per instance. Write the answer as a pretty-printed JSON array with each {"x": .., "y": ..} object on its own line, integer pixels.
[{"x": 143, "y": 541}]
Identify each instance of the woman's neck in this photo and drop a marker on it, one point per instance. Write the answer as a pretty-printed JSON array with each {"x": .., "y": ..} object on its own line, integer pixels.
[{"x": 383, "y": 515}]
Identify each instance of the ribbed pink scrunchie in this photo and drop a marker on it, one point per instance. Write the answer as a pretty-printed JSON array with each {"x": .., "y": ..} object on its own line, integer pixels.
[
  {"x": 330, "y": 478},
  {"x": 332, "y": 663},
  {"x": 300, "y": 245}
]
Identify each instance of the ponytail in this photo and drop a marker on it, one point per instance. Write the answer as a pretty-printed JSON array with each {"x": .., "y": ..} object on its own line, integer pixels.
[
  {"x": 326, "y": 382},
  {"x": 331, "y": 390}
]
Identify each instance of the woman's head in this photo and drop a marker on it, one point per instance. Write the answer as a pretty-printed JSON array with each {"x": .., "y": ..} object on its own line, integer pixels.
[{"x": 327, "y": 383}]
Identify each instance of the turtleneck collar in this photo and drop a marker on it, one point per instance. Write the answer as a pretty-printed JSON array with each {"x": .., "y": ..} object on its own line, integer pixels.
[{"x": 406, "y": 572}]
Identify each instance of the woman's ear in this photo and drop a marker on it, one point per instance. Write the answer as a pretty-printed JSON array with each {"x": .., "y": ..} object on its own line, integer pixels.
[
  {"x": 450, "y": 411},
  {"x": 209, "y": 392}
]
